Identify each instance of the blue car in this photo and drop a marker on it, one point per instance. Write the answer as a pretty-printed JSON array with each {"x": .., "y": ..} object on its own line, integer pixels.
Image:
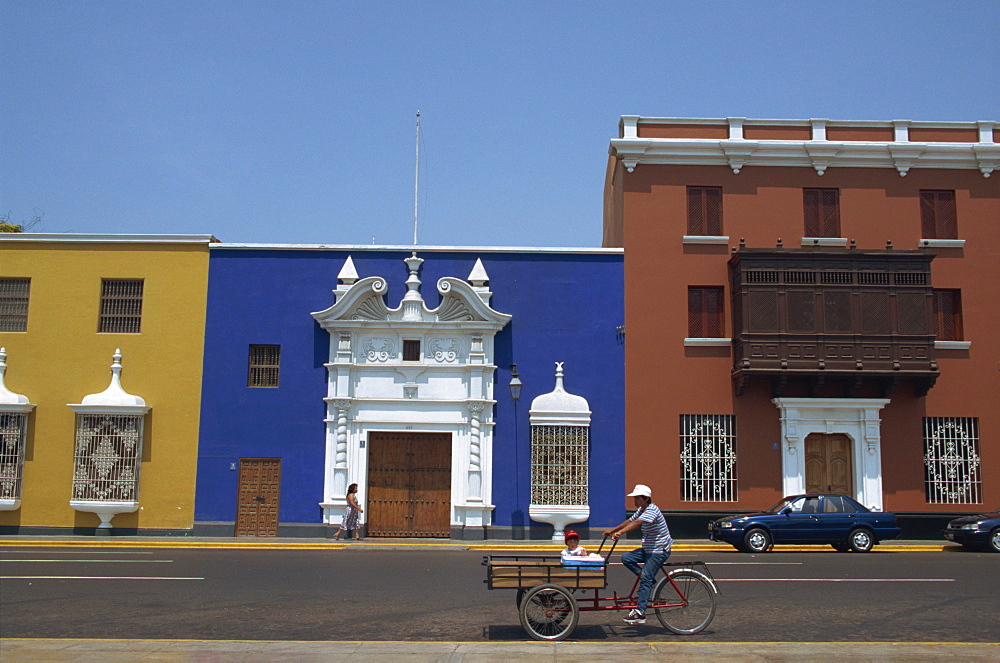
[
  {"x": 973, "y": 532},
  {"x": 835, "y": 520}
]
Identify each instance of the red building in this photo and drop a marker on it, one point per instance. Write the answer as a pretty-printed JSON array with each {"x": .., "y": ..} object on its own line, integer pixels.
[{"x": 810, "y": 305}]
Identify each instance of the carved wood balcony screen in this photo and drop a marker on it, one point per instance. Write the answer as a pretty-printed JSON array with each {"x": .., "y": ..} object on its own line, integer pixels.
[{"x": 847, "y": 315}]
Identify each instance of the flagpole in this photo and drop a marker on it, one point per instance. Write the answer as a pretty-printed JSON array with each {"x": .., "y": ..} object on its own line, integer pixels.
[{"x": 416, "y": 182}]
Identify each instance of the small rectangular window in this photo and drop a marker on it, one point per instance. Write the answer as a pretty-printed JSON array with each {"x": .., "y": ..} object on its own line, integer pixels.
[
  {"x": 705, "y": 312},
  {"x": 948, "y": 315},
  {"x": 14, "y": 304},
  {"x": 938, "y": 219},
  {"x": 411, "y": 350},
  {"x": 121, "y": 306},
  {"x": 704, "y": 210},
  {"x": 264, "y": 363},
  {"x": 822, "y": 212}
]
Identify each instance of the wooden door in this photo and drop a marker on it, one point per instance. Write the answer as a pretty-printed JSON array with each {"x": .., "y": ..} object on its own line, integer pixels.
[
  {"x": 258, "y": 496},
  {"x": 409, "y": 484},
  {"x": 828, "y": 464}
]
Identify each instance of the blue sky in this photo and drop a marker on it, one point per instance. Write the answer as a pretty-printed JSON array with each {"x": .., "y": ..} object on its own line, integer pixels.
[{"x": 293, "y": 121}]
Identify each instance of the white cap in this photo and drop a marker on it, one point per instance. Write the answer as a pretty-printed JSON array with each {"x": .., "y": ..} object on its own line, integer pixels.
[{"x": 641, "y": 489}]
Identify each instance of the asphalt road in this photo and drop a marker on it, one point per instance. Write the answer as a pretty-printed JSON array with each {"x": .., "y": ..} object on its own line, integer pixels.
[{"x": 439, "y": 595}]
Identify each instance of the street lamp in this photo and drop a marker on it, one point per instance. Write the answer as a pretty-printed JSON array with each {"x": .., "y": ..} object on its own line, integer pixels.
[{"x": 515, "y": 384}]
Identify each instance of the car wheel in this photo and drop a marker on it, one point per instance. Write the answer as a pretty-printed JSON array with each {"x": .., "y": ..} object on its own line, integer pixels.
[
  {"x": 861, "y": 540},
  {"x": 994, "y": 544},
  {"x": 841, "y": 547},
  {"x": 757, "y": 540}
]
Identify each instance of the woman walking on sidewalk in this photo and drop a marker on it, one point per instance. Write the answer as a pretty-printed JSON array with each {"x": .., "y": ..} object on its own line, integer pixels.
[{"x": 351, "y": 514}]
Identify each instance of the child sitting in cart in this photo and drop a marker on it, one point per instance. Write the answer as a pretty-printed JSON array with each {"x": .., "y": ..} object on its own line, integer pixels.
[{"x": 573, "y": 547}]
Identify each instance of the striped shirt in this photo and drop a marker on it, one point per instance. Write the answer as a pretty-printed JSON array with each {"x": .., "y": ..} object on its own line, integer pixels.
[{"x": 655, "y": 534}]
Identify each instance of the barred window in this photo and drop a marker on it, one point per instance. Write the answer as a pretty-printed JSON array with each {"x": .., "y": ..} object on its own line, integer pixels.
[
  {"x": 822, "y": 212},
  {"x": 937, "y": 215},
  {"x": 704, "y": 210},
  {"x": 559, "y": 464},
  {"x": 705, "y": 312},
  {"x": 265, "y": 361},
  {"x": 107, "y": 457},
  {"x": 951, "y": 460},
  {"x": 14, "y": 304},
  {"x": 121, "y": 306},
  {"x": 708, "y": 458},
  {"x": 13, "y": 426}
]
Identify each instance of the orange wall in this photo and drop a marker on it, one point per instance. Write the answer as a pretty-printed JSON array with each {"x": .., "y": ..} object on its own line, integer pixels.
[{"x": 665, "y": 379}]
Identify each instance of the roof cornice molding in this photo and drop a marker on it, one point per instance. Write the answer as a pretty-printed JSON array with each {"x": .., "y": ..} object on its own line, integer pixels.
[
  {"x": 819, "y": 155},
  {"x": 737, "y": 151}
]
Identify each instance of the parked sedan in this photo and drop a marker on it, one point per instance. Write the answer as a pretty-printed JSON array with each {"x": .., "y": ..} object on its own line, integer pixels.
[
  {"x": 976, "y": 531},
  {"x": 835, "y": 520}
]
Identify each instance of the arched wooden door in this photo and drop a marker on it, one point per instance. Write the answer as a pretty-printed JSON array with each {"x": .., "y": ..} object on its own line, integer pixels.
[
  {"x": 829, "y": 464},
  {"x": 409, "y": 485}
]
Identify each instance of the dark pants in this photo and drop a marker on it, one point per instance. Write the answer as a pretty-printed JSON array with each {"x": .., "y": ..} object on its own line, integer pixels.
[{"x": 645, "y": 565}]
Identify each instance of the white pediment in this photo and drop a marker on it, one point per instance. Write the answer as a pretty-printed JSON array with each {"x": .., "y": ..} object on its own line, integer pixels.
[{"x": 461, "y": 305}]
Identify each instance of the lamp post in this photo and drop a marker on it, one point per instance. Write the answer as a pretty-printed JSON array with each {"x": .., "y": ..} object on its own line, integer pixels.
[{"x": 517, "y": 518}]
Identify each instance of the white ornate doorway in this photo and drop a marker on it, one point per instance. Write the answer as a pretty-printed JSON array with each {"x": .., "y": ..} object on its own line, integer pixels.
[
  {"x": 857, "y": 418},
  {"x": 412, "y": 369}
]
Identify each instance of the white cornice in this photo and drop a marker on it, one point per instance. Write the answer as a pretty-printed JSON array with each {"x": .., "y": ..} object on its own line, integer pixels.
[
  {"x": 736, "y": 152},
  {"x": 108, "y": 239},
  {"x": 820, "y": 155}
]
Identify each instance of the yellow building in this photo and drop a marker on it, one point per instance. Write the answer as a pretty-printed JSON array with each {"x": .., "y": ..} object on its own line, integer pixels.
[{"x": 104, "y": 336}]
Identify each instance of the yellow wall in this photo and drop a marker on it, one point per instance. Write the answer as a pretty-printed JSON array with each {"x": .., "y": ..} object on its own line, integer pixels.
[{"x": 61, "y": 358}]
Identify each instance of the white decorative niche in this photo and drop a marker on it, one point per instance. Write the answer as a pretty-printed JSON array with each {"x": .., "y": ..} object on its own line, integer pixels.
[
  {"x": 14, "y": 411},
  {"x": 560, "y": 458},
  {"x": 108, "y": 450},
  {"x": 445, "y": 388}
]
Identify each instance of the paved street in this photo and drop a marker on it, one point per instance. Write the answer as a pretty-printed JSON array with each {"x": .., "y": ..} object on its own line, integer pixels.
[{"x": 437, "y": 594}]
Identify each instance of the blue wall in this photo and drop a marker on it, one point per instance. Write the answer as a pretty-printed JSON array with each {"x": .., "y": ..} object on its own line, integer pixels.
[{"x": 565, "y": 307}]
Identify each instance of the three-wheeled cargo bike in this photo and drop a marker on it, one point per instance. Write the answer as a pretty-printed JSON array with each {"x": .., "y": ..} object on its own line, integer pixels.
[{"x": 551, "y": 595}]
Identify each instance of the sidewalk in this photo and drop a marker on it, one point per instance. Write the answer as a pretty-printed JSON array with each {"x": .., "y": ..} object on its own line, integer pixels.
[
  {"x": 386, "y": 543},
  {"x": 418, "y": 652}
]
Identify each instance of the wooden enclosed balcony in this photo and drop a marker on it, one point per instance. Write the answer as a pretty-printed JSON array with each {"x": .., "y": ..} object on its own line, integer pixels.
[{"x": 827, "y": 316}]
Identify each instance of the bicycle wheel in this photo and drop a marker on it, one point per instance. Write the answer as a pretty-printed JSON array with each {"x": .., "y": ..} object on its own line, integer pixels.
[
  {"x": 548, "y": 612},
  {"x": 692, "y": 600}
]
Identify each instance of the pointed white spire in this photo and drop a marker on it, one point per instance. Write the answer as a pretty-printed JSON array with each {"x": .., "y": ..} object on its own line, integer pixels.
[
  {"x": 114, "y": 395},
  {"x": 8, "y": 397},
  {"x": 348, "y": 274},
  {"x": 478, "y": 276}
]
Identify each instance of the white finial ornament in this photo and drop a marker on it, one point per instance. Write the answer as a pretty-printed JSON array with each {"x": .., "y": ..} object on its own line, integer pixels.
[
  {"x": 8, "y": 397},
  {"x": 114, "y": 395}
]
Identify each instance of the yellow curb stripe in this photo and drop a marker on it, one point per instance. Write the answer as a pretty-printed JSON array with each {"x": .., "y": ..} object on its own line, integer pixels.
[
  {"x": 263, "y": 545},
  {"x": 750, "y": 643}
]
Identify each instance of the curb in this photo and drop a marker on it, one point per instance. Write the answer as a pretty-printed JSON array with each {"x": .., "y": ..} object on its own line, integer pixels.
[{"x": 284, "y": 545}]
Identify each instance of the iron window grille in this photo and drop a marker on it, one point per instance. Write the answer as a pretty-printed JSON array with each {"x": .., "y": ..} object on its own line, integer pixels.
[
  {"x": 265, "y": 363},
  {"x": 951, "y": 460},
  {"x": 704, "y": 210},
  {"x": 14, "y": 304},
  {"x": 559, "y": 464},
  {"x": 13, "y": 428},
  {"x": 938, "y": 219},
  {"x": 708, "y": 458},
  {"x": 121, "y": 306},
  {"x": 107, "y": 458}
]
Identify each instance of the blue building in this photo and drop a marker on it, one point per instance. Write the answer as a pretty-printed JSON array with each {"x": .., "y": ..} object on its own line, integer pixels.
[{"x": 330, "y": 366}]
